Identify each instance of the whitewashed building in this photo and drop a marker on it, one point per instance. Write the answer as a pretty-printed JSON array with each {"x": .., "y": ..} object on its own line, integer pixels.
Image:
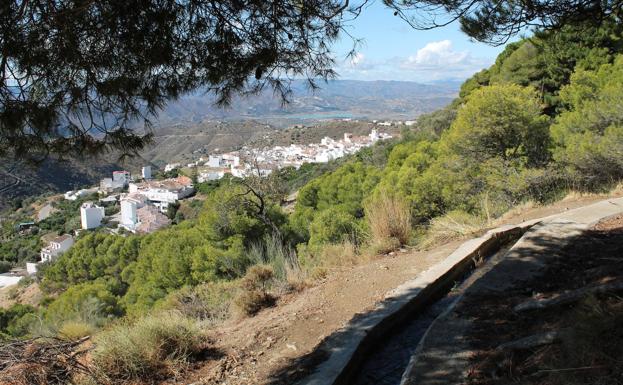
[
  {"x": 213, "y": 174},
  {"x": 214, "y": 161},
  {"x": 129, "y": 208},
  {"x": 139, "y": 216},
  {"x": 146, "y": 172},
  {"x": 56, "y": 247},
  {"x": 121, "y": 176},
  {"x": 162, "y": 193},
  {"x": 91, "y": 215},
  {"x": 75, "y": 195},
  {"x": 31, "y": 268},
  {"x": 171, "y": 167}
]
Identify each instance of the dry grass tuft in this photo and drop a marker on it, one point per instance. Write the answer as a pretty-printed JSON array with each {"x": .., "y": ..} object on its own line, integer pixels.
[
  {"x": 254, "y": 295},
  {"x": 454, "y": 225},
  {"x": 317, "y": 261},
  {"x": 152, "y": 347},
  {"x": 74, "y": 330},
  {"x": 389, "y": 218},
  {"x": 209, "y": 302}
]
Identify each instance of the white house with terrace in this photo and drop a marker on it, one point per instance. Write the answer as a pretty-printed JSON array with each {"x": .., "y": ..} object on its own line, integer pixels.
[
  {"x": 164, "y": 192},
  {"x": 56, "y": 247},
  {"x": 138, "y": 215}
]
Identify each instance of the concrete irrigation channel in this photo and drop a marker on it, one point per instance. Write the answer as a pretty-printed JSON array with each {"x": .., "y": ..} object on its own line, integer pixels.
[
  {"x": 405, "y": 313},
  {"x": 379, "y": 347}
]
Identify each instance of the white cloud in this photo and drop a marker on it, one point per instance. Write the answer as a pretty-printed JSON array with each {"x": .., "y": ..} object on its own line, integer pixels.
[
  {"x": 436, "y": 53},
  {"x": 437, "y": 60}
]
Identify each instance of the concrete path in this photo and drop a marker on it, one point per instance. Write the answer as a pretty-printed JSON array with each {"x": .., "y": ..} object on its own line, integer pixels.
[
  {"x": 45, "y": 212},
  {"x": 442, "y": 356}
]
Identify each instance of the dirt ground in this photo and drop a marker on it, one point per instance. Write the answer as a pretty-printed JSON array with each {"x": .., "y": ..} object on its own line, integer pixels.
[
  {"x": 281, "y": 342},
  {"x": 257, "y": 350},
  {"x": 279, "y": 345},
  {"x": 30, "y": 295},
  {"x": 589, "y": 343}
]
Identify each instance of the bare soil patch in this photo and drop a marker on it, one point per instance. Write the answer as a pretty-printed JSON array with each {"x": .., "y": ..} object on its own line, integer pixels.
[
  {"x": 29, "y": 295},
  {"x": 279, "y": 344}
]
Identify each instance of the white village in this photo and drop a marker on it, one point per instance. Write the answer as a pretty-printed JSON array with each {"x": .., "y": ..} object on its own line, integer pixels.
[{"x": 144, "y": 201}]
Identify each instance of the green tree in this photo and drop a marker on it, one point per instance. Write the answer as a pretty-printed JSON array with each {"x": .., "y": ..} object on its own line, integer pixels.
[
  {"x": 502, "y": 121},
  {"x": 333, "y": 226},
  {"x": 588, "y": 135},
  {"x": 71, "y": 69}
]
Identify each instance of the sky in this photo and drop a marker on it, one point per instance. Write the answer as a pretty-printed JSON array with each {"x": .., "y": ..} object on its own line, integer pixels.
[{"x": 392, "y": 50}]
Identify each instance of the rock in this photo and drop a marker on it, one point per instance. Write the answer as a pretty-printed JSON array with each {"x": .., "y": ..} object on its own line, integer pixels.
[{"x": 291, "y": 346}]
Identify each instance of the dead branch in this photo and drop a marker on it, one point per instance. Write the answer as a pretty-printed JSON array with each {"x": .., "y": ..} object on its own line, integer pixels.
[
  {"x": 39, "y": 361},
  {"x": 569, "y": 297},
  {"x": 533, "y": 341}
]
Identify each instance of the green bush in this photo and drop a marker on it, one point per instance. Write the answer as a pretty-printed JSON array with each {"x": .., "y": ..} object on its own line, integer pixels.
[
  {"x": 5, "y": 266},
  {"x": 333, "y": 226},
  {"x": 15, "y": 321},
  {"x": 74, "y": 330},
  {"x": 588, "y": 135}
]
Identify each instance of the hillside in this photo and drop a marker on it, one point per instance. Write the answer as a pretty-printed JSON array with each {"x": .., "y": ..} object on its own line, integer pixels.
[
  {"x": 336, "y": 99},
  {"x": 243, "y": 288},
  {"x": 193, "y": 124}
]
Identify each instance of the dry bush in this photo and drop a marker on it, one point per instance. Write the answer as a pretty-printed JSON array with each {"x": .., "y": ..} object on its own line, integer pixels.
[
  {"x": 454, "y": 225},
  {"x": 254, "y": 295},
  {"x": 316, "y": 261},
  {"x": 595, "y": 342},
  {"x": 389, "y": 218},
  {"x": 73, "y": 330},
  {"x": 282, "y": 259},
  {"x": 152, "y": 347},
  {"x": 616, "y": 191},
  {"x": 209, "y": 302}
]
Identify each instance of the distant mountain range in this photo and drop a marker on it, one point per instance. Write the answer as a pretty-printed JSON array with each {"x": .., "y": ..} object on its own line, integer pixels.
[
  {"x": 193, "y": 123},
  {"x": 334, "y": 100}
]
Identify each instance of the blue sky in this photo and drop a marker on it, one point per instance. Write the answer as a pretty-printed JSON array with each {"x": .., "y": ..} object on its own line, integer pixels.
[{"x": 392, "y": 50}]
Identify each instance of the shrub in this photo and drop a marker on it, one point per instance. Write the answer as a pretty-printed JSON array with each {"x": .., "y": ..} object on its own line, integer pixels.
[
  {"x": 317, "y": 260},
  {"x": 254, "y": 295},
  {"x": 388, "y": 218},
  {"x": 454, "y": 225},
  {"x": 334, "y": 226},
  {"x": 152, "y": 347},
  {"x": 74, "y": 330},
  {"x": 281, "y": 258},
  {"x": 383, "y": 246},
  {"x": 209, "y": 301},
  {"x": 5, "y": 266}
]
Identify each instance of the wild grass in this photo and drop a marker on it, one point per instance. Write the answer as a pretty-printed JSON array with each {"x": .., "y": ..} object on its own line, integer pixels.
[
  {"x": 282, "y": 259},
  {"x": 595, "y": 342},
  {"x": 152, "y": 347},
  {"x": 74, "y": 330},
  {"x": 389, "y": 219},
  {"x": 209, "y": 302},
  {"x": 454, "y": 225},
  {"x": 317, "y": 261}
]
